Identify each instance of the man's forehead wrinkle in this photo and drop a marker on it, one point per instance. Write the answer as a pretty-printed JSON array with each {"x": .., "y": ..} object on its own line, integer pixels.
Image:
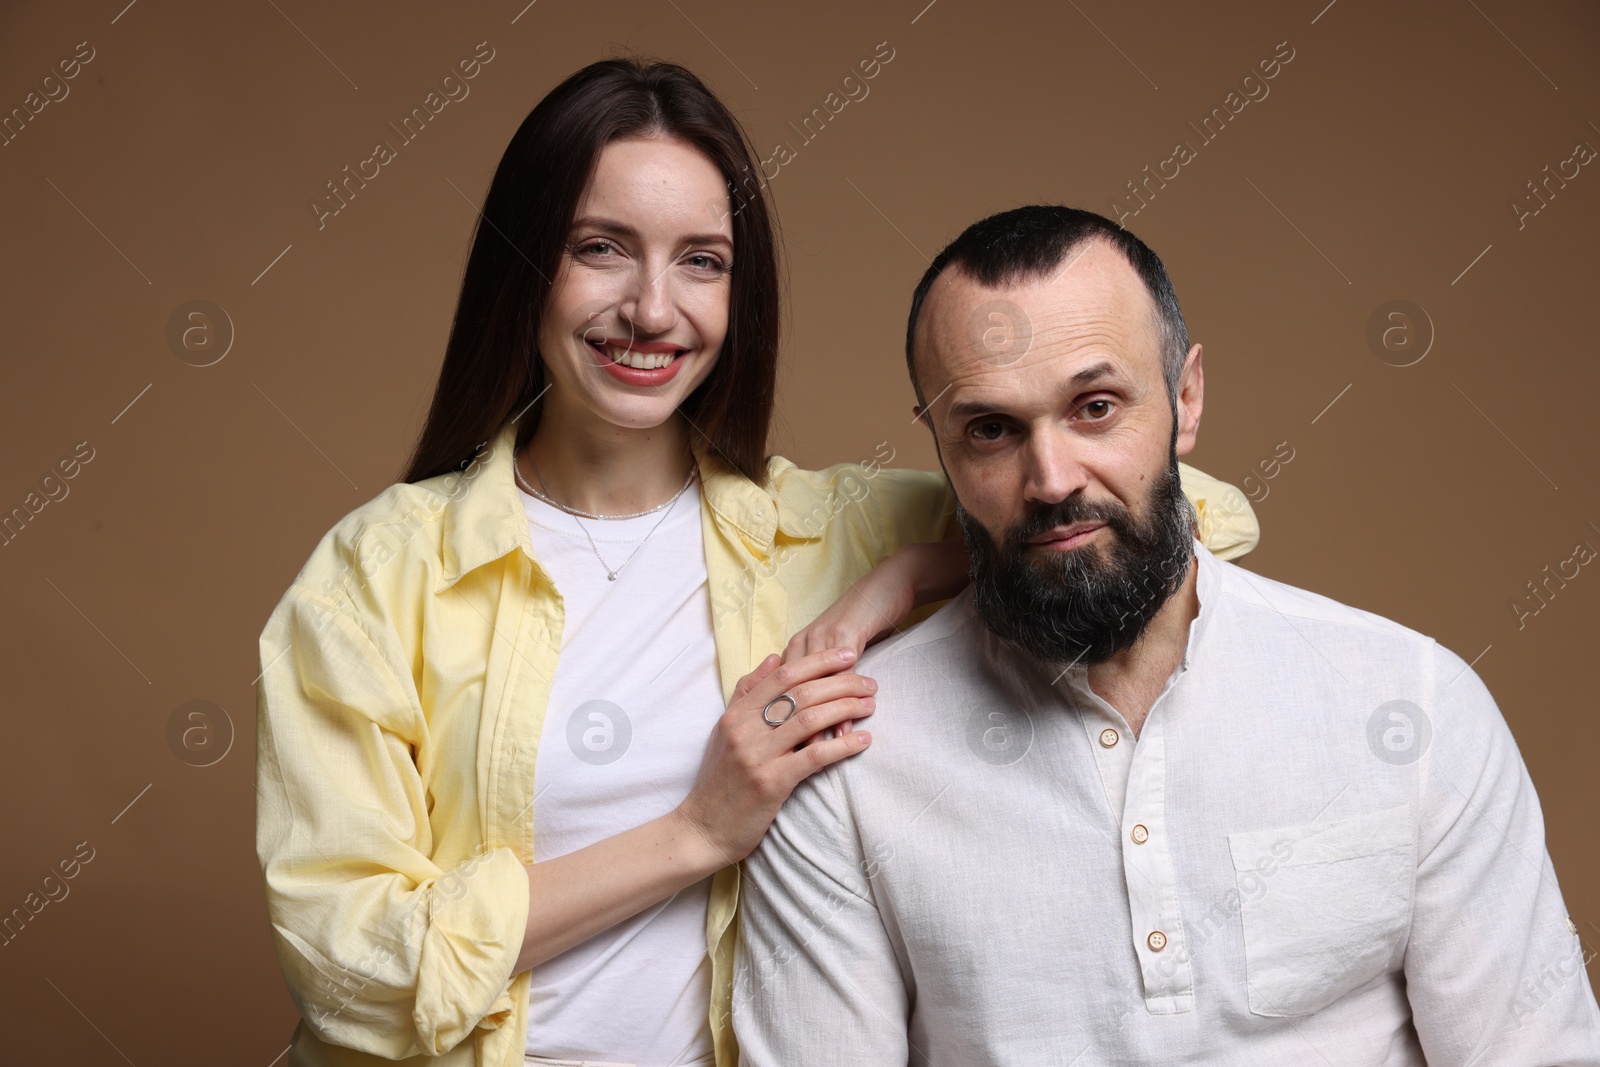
[
  {"x": 1083, "y": 341},
  {"x": 1081, "y": 326},
  {"x": 1100, "y": 307}
]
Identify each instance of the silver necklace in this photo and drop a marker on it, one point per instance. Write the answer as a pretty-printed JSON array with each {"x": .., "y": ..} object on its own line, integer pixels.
[
  {"x": 553, "y": 502},
  {"x": 611, "y": 575}
]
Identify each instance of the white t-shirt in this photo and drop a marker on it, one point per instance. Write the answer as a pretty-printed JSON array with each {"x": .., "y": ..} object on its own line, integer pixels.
[{"x": 635, "y": 696}]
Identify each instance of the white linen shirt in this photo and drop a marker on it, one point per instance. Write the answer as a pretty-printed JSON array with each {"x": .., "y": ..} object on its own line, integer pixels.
[{"x": 1323, "y": 848}]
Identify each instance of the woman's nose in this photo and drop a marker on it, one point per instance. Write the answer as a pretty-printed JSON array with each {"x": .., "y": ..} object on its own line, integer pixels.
[{"x": 649, "y": 305}]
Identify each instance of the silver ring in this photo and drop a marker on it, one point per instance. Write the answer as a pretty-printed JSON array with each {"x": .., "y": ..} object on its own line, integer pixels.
[{"x": 792, "y": 708}]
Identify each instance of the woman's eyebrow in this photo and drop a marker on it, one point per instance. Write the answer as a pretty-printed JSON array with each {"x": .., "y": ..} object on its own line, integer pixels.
[
  {"x": 708, "y": 239},
  {"x": 598, "y": 222},
  {"x": 622, "y": 229}
]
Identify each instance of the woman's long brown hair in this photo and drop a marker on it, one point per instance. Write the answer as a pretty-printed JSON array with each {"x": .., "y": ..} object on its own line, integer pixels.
[{"x": 492, "y": 370}]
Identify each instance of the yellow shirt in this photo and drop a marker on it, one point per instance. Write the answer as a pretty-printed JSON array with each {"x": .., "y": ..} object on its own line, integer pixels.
[{"x": 405, "y": 676}]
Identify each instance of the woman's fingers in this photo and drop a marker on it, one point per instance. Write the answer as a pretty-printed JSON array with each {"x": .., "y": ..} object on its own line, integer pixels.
[
  {"x": 833, "y": 687},
  {"x": 818, "y": 701},
  {"x": 820, "y": 639},
  {"x": 819, "y": 754},
  {"x": 816, "y": 639},
  {"x": 798, "y": 647},
  {"x": 787, "y": 676},
  {"x": 811, "y": 720},
  {"x": 860, "y": 707},
  {"x": 748, "y": 682},
  {"x": 815, "y": 702},
  {"x": 746, "y": 774}
]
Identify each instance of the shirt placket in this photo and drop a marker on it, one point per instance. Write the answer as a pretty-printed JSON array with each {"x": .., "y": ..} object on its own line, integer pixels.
[
  {"x": 1134, "y": 774},
  {"x": 1152, "y": 883}
]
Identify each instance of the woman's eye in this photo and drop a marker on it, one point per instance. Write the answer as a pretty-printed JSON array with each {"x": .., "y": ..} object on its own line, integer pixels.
[
  {"x": 705, "y": 263},
  {"x": 595, "y": 248}
]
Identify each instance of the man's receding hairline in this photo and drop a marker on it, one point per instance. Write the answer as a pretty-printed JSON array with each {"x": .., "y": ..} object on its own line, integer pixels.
[{"x": 1020, "y": 277}]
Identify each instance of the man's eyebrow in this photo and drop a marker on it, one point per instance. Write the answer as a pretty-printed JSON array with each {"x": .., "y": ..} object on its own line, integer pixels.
[
  {"x": 1092, "y": 373},
  {"x": 621, "y": 229},
  {"x": 961, "y": 409}
]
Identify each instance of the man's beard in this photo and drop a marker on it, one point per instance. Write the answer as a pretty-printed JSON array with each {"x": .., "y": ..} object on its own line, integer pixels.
[{"x": 1077, "y": 606}]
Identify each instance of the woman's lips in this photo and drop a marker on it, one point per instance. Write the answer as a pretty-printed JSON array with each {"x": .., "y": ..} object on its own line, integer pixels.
[{"x": 661, "y": 360}]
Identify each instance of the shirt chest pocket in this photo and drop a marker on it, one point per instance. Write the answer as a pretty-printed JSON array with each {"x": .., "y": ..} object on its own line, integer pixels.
[{"x": 1325, "y": 907}]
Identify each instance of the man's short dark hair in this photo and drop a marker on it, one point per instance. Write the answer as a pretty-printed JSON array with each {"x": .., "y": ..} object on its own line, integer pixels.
[{"x": 1029, "y": 242}]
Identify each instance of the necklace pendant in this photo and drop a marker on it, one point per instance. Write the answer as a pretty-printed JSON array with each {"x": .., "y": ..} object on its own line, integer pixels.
[{"x": 611, "y": 576}]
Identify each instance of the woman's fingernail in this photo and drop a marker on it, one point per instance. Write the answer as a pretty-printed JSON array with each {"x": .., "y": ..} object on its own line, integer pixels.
[
  {"x": 872, "y": 685},
  {"x": 868, "y": 702},
  {"x": 863, "y": 737},
  {"x": 847, "y": 654}
]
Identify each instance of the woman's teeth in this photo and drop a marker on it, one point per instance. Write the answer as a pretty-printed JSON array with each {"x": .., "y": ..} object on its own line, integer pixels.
[{"x": 637, "y": 360}]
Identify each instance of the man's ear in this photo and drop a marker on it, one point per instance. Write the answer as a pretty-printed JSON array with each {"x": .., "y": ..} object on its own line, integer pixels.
[
  {"x": 920, "y": 414},
  {"x": 1190, "y": 400}
]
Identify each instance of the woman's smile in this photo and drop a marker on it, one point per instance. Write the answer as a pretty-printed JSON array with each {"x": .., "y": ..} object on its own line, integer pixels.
[
  {"x": 643, "y": 293},
  {"x": 638, "y": 362}
]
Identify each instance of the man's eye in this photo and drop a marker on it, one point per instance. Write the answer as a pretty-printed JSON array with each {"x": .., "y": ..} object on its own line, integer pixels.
[
  {"x": 988, "y": 431},
  {"x": 1096, "y": 409}
]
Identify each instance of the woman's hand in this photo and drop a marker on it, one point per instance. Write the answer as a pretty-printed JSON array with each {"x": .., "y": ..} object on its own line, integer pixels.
[
  {"x": 748, "y": 771},
  {"x": 751, "y": 767},
  {"x": 882, "y": 598},
  {"x": 877, "y": 603}
]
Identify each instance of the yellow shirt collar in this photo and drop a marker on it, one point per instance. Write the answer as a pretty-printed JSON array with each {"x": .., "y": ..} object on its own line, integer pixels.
[{"x": 484, "y": 518}]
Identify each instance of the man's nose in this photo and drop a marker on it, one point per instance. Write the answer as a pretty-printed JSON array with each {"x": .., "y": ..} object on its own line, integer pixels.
[
  {"x": 649, "y": 303},
  {"x": 1054, "y": 470}
]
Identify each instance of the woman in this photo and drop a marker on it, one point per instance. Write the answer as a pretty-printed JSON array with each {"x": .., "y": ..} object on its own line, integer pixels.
[{"x": 522, "y": 715}]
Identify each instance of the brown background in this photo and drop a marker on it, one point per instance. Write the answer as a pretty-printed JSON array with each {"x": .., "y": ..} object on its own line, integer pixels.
[{"x": 181, "y": 166}]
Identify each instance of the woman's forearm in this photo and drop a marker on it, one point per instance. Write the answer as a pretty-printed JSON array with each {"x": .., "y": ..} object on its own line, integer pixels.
[
  {"x": 876, "y": 604},
  {"x": 937, "y": 570},
  {"x": 573, "y": 897},
  {"x": 748, "y": 770}
]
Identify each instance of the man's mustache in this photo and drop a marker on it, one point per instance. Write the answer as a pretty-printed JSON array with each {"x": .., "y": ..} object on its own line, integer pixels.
[{"x": 1046, "y": 517}]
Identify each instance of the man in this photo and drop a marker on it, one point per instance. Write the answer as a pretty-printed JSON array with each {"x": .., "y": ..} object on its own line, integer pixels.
[{"x": 1128, "y": 803}]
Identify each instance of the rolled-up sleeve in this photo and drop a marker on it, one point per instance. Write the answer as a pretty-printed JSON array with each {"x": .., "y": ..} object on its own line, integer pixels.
[
  {"x": 384, "y": 950},
  {"x": 914, "y": 506},
  {"x": 1228, "y": 525}
]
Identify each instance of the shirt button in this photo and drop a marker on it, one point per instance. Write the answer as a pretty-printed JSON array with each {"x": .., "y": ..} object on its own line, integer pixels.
[
  {"x": 1139, "y": 834},
  {"x": 1109, "y": 737},
  {"x": 1157, "y": 940}
]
